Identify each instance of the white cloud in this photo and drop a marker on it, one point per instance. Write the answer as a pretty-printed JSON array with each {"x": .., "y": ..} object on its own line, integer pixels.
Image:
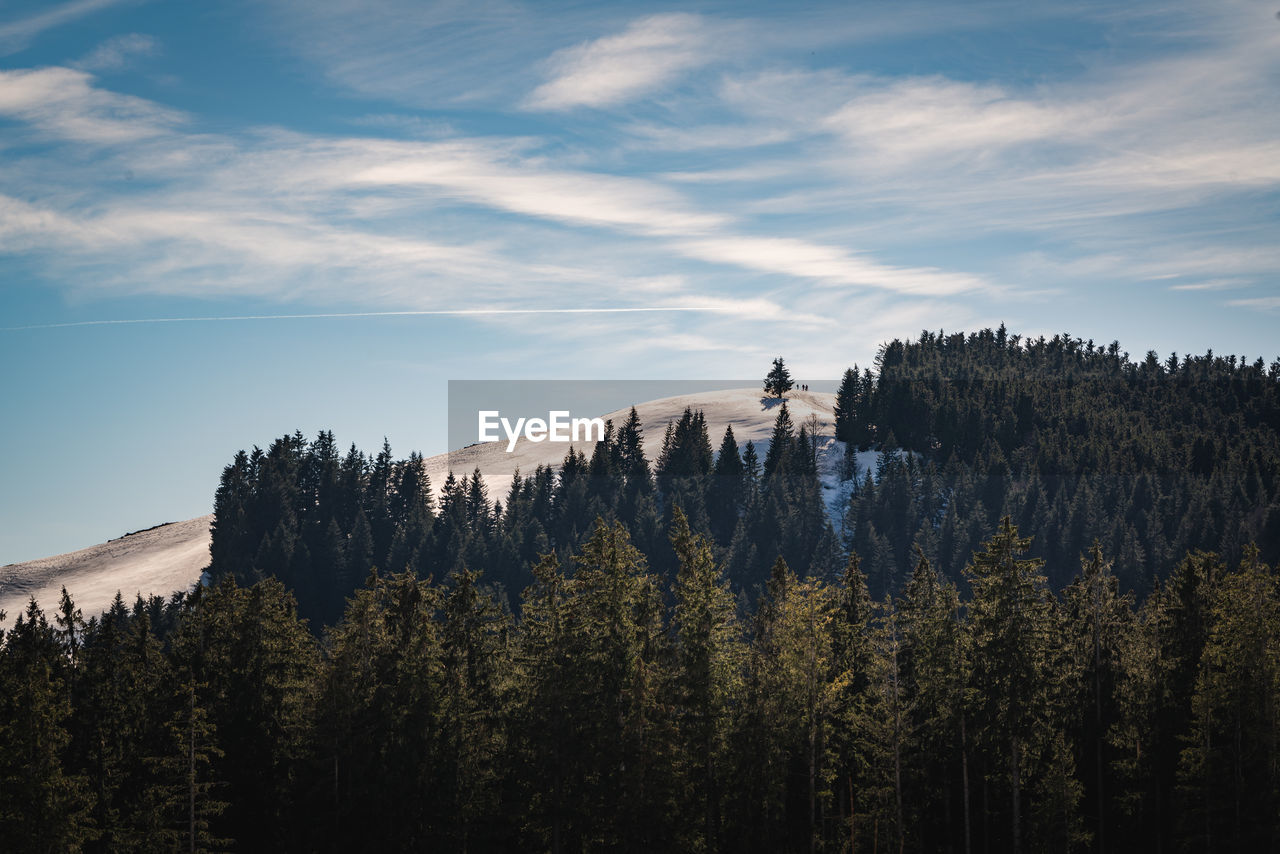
[
  {"x": 25, "y": 226},
  {"x": 64, "y": 103},
  {"x": 1210, "y": 285},
  {"x": 422, "y": 52},
  {"x": 830, "y": 264},
  {"x": 476, "y": 172},
  {"x": 1258, "y": 303},
  {"x": 117, "y": 52},
  {"x": 15, "y": 35},
  {"x": 649, "y": 54},
  {"x": 927, "y": 118},
  {"x": 662, "y": 138}
]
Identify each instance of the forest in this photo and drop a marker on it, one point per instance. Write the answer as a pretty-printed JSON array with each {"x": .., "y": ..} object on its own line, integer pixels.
[{"x": 1048, "y": 621}]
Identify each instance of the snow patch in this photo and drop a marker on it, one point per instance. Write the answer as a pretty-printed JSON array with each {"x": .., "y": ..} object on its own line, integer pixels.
[
  {"x": 159, "y": 560},
  {"x": 746, "y": 409}
]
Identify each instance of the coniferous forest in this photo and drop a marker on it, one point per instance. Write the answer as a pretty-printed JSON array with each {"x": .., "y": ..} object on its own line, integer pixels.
[{"x": 1049, "y": 620}]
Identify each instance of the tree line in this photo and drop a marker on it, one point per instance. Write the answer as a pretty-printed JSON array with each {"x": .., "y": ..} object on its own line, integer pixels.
[
  {"x": 620, "y": 712},
  {"x": 318, "y": 520},
  {"x": 1076, "y": 442},
  {"x": 1043, "y": 624}
]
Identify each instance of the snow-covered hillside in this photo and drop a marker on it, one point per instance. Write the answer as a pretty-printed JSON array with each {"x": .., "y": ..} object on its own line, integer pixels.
[
  {"x": 171, "y": 557},
  {"x": 159, "y": 560},
  {"x": 751, "y": 415}
]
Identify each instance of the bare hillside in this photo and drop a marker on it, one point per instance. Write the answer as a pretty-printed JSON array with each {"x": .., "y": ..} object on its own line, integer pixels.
[{"x": 159, "y": 560}]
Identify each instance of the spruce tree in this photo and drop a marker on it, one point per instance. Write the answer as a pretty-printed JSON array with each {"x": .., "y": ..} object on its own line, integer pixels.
[
  {"x": 1100, "y": 619},
  {"x": 847, "y": 405},
  {"x": 1230, "y": 768},
  {"x": 1014, "y": 657},
  {"x": 781, "y": 444},
  {"x": 934, "y": 672},
  {"x": 709, "y": 657},
  {"x": 726, "y": 496},
  {"x": 778, "y": 381},
  {"x": 44, "y": 805},
  {"x": 476, "y": 670}
]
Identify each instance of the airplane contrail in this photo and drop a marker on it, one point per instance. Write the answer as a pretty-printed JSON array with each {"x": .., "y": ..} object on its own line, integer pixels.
[{"x": 463, "y": 312}]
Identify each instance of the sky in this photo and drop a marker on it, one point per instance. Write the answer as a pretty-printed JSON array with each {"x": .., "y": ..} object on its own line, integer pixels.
[{"x": 223, "y": 222}]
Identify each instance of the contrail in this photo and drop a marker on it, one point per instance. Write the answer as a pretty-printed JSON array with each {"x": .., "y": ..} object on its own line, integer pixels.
[{"x": 462, "y": 312}]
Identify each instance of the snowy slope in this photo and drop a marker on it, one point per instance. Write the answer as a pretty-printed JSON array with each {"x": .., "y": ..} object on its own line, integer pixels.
[
  {"x": 751, "y": 415},
  {"x": 172, "y": 557},
  {"x": 160, "y": 560}
]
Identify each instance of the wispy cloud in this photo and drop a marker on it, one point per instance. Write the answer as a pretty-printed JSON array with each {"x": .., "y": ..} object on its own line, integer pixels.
[
  {"x": 829, "y": 264},
  {"x": 1259, "y": 303},
  {"x": 1210, "y": 285},
  {"x": 421, "y": 52},
  {"x": 650, "y": 53},
  {"x": 297, "y": 217},
  {"x": 674, "y": 158},
  {"x": 918, "y": 119},
  {"x": 477, "y": 172},
  {"x": 300, "y": 216},
  {"x": 117, "y": 52},
  {"x": 65, "y": 104},
  {"x": 15, "y": 35}
]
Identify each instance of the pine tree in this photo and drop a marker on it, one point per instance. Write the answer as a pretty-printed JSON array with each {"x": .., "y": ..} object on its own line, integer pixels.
[
  {"x": 376, "y": 737},
  {"x": 781, "y": 736},
  {"x": 726, "y": 496},
  {"x": 852, "y": 651},
  {"x": 709, "y": 657},
  {"x": 1013, "y": 620},
  {"x": 887, "y": 733},
  {"x": 541, "y": 719},
  {"x": 619, "y": 639},
  {"x": 259, "y": 663},
  {"x": 474, "y": 655},
  {"x": 43, "y": 804},
  {"x": 934, "y": 671},
  {"x": 183, "y": 793},
  {"x": 848, "y": 400},
  {"x": 1183, "y": 621},
  {"x": 778, "y": 381},
  {"x": 611, "y": 758},
  {"x": 1100, "y": 619},
  {"x": 751, "y": 464},
  {"x": 781, "y": 444},
  {"x": 1229, "y": 768}
]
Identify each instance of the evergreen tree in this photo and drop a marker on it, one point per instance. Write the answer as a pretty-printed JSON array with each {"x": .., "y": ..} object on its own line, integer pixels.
[
  {"x": 726, "y": 496},
  {"x": 379, "y": 715},
  {"x": 781, "y": 444},
  {"x": 1230, "y": 768},
  {"x": 852, "y": 651},
  {"x": 709, "y": 657},
  {"x": 547, "y": 741},
  {"x": 848, "y": 399},
  {"x": 934, "y": 671},
  {"x": 1101, "y": 619},
  {"x": 781, "y": 737},
  {"x": 778, "y": 381},
  {"x": 257, "y": 663},
  {"x": 44, "y": 805},
  {"x": 1014, "y": 666}
]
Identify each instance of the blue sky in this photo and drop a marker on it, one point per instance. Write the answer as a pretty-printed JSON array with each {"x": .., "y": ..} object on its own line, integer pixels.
[{"x": 802, "y": 179}]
